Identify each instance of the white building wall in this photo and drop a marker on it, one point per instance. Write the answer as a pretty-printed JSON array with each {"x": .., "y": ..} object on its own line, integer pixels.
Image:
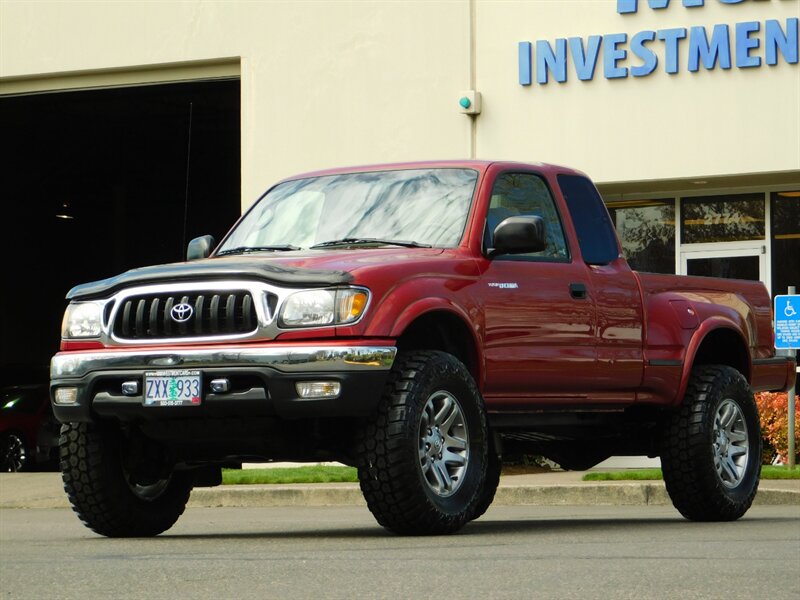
[
  {"x": 334, "y": 83},
  {"x": 323, "y": 83},
  {"x": 661, "y": 126}
]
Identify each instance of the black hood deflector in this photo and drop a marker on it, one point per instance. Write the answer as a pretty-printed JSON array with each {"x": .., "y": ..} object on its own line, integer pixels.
[{"x": 250, "y": 268}]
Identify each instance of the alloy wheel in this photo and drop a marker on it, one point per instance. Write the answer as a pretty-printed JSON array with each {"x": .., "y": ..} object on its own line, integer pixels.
[
  {"x": 730, "y": 443},
  {"x": 443, "y": 444}
]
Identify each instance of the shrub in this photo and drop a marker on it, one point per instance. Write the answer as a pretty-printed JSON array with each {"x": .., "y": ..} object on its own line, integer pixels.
[{"x": 773, "y": 409}]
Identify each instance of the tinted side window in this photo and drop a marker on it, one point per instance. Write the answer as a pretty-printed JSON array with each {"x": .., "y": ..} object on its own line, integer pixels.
[
  {"x": 589, "y": 215},
  {"x": 525, "y": 194}
]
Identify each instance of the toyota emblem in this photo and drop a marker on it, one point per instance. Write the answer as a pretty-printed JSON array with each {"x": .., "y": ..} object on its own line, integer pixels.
[{"x": 182, "y": 312}]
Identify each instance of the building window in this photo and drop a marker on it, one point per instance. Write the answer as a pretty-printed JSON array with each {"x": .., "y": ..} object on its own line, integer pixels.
[
  {"x": 785, "y": 209},
  {"x": 646, "y": 229},
  {"x": 728, "y": 267},
  {"x": 722, "y": 219}
]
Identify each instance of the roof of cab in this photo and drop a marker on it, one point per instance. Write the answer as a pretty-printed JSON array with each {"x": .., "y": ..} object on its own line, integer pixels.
[{"x": 478, "y": 165}]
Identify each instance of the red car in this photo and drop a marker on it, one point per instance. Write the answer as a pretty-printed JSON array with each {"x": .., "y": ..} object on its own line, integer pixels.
[{"x": 28, "y": 430}]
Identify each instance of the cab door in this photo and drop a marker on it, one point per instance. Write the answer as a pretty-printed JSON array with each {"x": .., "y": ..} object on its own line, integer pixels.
[
  {"x": 539, "y": 330},
  {"x": 615, "y": 288}
]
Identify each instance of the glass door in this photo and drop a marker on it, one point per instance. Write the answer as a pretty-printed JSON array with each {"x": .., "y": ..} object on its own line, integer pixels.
[
  {"x": 730, "y": 263},
  {"x": 725, "y": 236}
]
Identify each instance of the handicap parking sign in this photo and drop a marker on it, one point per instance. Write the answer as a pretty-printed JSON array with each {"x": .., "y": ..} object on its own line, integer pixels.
[{"x": 787, "y": 322}]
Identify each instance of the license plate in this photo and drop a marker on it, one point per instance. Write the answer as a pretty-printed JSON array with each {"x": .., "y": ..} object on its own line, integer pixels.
[{"x": 172, "y": 388}]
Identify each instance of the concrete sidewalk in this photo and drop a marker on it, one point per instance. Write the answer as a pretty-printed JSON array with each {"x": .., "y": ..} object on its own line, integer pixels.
[{"x": 44, "y": 490}]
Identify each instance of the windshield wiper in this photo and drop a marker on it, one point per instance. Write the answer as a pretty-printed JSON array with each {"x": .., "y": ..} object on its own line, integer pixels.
[
  {"x": 356, "y": 241},
  {"x": 248, "y": 249}
]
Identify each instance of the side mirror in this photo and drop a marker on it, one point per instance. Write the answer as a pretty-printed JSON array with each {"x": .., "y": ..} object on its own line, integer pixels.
[
  {"x": 519, "y": 235},
  {"x": 200, "y": 247}
]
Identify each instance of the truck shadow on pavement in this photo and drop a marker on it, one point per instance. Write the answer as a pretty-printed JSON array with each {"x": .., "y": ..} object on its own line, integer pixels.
[{"x": 480, "y": 529}]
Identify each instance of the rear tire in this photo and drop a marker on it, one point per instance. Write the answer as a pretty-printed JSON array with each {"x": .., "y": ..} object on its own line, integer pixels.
[
  {"x": 422, "y": 457},
  {"x": 105, "y": 497},
  {"x": 711, "y": 448}
]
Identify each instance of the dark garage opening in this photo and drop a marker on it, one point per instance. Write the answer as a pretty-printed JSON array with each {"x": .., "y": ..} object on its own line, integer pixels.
[{"x": 94, "y": 183}]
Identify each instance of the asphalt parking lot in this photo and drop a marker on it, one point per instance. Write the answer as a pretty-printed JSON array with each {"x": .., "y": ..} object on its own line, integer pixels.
[{"x": 340, "y": 552}]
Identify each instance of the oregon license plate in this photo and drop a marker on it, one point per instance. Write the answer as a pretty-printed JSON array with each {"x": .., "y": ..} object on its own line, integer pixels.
[{"x": 172, "y": 388}]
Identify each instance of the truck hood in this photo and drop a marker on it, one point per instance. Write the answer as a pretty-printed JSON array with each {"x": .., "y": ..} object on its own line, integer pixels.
[{"x": 304, "y": 268}]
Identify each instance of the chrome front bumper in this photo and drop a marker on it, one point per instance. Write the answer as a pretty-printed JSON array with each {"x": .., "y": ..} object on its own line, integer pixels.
[
  {"x": 262, "y": 381},
  {"x": 286, "y": 359}
]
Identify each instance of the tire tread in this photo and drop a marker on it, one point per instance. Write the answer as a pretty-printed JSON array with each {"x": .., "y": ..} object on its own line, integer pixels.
[
  {"x": 95, "y": 486},
  {"x": 694, "y": 488},
  {"x": 390, "y": 486}
]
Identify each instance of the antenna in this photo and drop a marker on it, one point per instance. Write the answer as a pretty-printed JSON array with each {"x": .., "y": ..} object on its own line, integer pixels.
[{"x": 186, "y": 195}]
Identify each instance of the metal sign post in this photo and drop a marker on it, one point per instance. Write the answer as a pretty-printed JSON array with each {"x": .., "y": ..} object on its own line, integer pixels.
[{"x": 787, "y": 337}]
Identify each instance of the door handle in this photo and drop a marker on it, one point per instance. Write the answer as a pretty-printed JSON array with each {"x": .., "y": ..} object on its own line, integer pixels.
[{"x": 578, "y": 291}]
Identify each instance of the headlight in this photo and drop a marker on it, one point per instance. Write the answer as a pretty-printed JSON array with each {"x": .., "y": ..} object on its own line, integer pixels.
[
  {"x": 316, "y": 308},
  {"x": 82, "y": 320}
]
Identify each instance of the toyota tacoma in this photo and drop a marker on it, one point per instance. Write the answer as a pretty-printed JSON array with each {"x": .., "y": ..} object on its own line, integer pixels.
[{"x": 422, "y": 322}]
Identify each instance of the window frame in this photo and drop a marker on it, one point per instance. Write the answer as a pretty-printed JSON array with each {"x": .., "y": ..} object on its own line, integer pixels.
[{"x": 525, "y": 257}]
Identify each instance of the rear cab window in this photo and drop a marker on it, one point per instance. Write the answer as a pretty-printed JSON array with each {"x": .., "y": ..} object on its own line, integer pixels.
[{"x": 596, "y": 236}]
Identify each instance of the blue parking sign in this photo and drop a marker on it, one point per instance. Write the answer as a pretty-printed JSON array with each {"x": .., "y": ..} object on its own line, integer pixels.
[{"x": 787, "y": 322}]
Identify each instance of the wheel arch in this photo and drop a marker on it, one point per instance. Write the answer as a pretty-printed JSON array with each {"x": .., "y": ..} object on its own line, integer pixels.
[
  {"x": 441, "y": 329},
  {"x": 716, "y": 343}
]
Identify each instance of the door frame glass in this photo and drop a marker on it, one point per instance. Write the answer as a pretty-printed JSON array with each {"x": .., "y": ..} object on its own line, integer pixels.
[
  {"x": 761, "y": 248},
  {"x": 728, "y": 250}
]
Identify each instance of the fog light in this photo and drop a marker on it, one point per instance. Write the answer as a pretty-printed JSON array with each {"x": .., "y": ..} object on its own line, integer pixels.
[
  {"x": 66, "y": 395},
  {"x": 220, "y": 386},
  {"x": 318, "y": 389},
  {"x": 130, "y": 388}
]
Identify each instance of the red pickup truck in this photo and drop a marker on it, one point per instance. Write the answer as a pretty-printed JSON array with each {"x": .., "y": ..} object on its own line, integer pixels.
[{"x": 421, "y": 322}]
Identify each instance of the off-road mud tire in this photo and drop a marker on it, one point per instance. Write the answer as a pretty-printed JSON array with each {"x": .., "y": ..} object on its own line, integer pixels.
[
  {"x": 494, "y": 466},
  {"x": 687, "y": 455},
  {"x": 94, "y": 480},
  {"x": 389, "y": 463}
]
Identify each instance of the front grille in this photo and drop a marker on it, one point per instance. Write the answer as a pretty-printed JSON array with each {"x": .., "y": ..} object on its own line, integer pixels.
[{"x": 213, "y": 313}]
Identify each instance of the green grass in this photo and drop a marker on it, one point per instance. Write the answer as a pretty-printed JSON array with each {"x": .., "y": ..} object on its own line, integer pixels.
[
  {"x": 767, "y": 472},
  {"x": 333, "y": 474},
  {"x": 629, "y": 475},
  {"x": 770, "y": 472},
  {"x": 309, "y": 474}
]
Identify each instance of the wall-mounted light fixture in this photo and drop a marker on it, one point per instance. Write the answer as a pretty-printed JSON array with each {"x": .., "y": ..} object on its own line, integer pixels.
[{"x": 469, "y": 102}]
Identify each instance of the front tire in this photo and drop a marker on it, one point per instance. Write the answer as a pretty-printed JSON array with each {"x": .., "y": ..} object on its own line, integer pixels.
[
  {"x": 494, "y": 467},
  {"x": 423, "y": 457},
  {"x": 711, "y": 449},
  {"x": 105, "y": 496}
]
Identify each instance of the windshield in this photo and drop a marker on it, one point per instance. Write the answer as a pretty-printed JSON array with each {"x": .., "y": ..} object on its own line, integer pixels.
[{"x": 417, "y": 207}]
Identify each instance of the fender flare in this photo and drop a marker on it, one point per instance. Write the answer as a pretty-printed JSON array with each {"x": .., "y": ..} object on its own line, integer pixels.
[
  {"x": 707, "y": 327},
  {"x": 425, "y": 306}
]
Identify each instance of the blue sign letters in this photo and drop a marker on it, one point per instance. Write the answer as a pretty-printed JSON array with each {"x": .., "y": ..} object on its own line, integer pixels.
[
  {"x": 631, "y": 6},
  {"x": 639, "y": 55},
  {"x": 719, "y": 48}
]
